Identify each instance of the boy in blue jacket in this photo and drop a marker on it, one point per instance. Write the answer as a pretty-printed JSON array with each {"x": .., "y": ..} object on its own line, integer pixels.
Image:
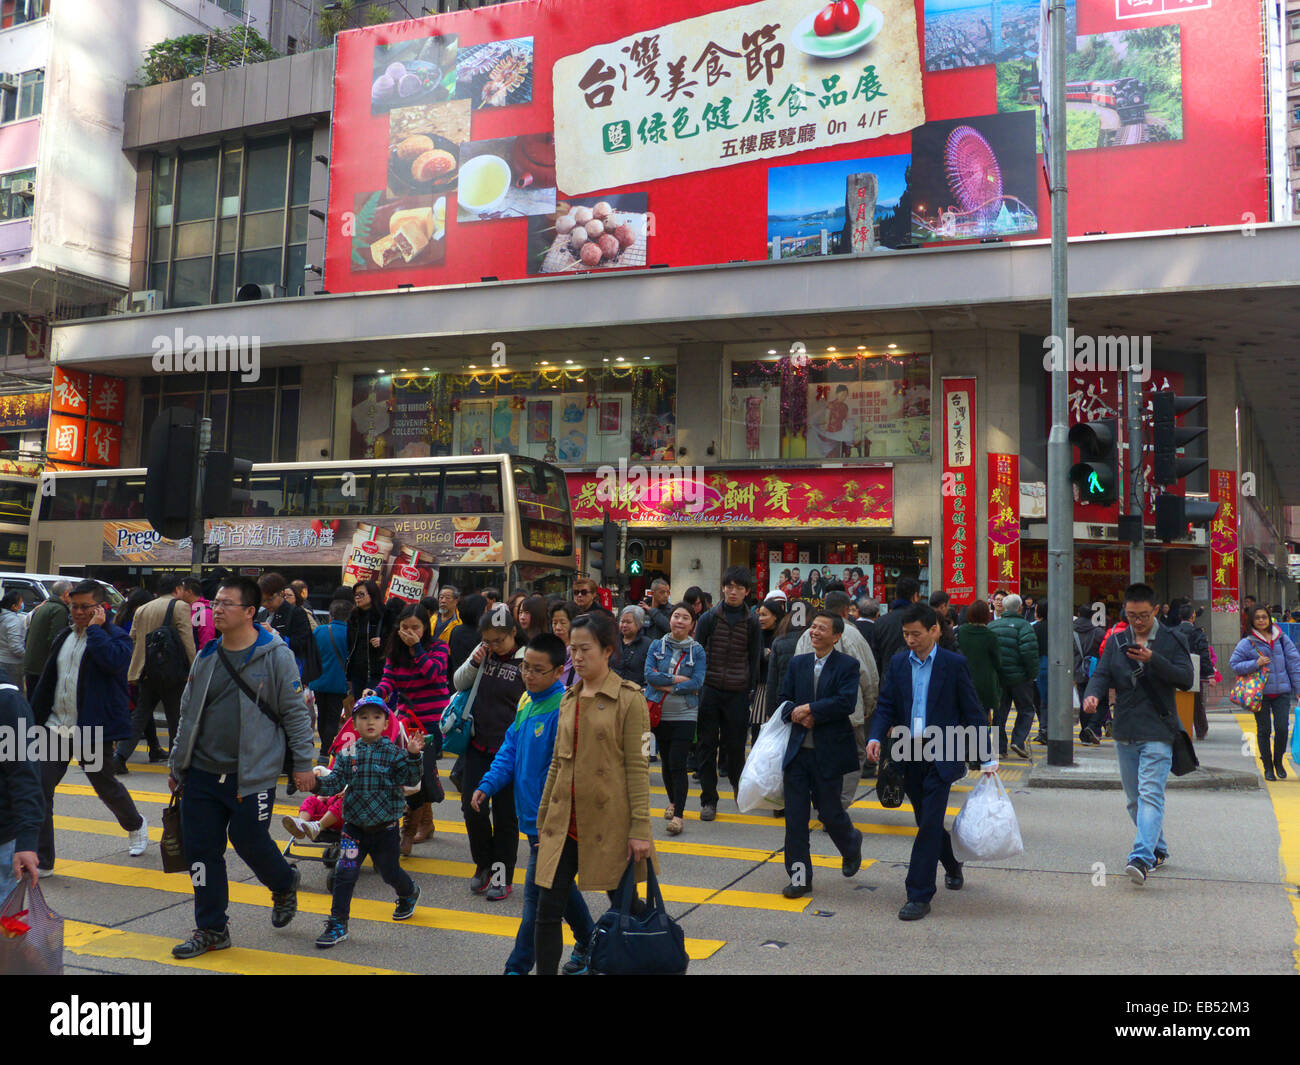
[{"x": 524, "y": 761}]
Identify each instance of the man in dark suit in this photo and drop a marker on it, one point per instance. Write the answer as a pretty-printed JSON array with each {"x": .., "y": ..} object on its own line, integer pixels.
[
  {"x": 889, "y": 629},
  {"x": 923, "y": 689},
  {"x": 820, "y": 692}
]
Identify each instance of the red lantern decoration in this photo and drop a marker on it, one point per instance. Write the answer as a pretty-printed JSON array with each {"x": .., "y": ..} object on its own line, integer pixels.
[
  {"x": 517, "y": 402},
  {"x": 591, "y": 400}
]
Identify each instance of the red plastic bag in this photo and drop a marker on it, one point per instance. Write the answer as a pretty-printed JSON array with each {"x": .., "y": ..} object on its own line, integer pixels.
[{"x": 38, "y": 951}]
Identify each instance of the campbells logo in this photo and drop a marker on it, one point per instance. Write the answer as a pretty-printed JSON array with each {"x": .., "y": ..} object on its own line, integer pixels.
[
  {"x": 471, "y": 539},
  {"x": 409, "y": 572}
]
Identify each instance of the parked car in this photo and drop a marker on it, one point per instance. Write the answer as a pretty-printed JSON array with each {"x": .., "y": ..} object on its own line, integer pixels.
[{"x": 35, "y": 588}]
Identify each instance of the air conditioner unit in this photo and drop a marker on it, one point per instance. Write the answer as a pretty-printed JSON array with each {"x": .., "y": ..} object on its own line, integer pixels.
[
  {"x": 143, "y": 302},
  {"x": 23, "y": 188},
  {"x": 9, "y": 81}
]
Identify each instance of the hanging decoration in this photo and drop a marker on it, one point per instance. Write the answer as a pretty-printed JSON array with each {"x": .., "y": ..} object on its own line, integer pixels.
[{"x": 591, "y": 400}]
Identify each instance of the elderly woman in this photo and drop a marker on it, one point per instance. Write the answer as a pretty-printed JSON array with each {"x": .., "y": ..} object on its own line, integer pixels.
[{"x": 635, "y": 645}]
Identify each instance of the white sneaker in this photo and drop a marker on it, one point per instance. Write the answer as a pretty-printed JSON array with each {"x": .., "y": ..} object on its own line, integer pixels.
[
  {"x": 139, "y": 839},
  {"x": 300, "y": 829},
  {"x": 41, "y": 874}
]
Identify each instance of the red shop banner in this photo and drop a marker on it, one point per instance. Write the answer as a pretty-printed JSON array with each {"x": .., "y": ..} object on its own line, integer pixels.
[
  {"x": 1224, "y": 561},
  {"x": 1093, "y": 563},
  {"x": 958, "y": 491},
  {"x": 548, "y": 139},
  {"x": 685, "y": 497},
  {"x": 1004, "y": 522}
]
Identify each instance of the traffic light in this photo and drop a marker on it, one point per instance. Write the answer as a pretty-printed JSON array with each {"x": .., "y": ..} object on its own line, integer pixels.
[
  {"x": 1167, "y": 437},
  {"x": 221, "y": 497},
  {"x": 609, "y": 550},
  {"x": 169, "y": 482},
  {"x": 1096, "y": 474},
  {"x": 635, "y": 558},
  {"x": 1175, "y": 513}
]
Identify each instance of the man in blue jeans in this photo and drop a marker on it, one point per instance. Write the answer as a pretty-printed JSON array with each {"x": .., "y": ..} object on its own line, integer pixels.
[
  {"x": 524, "y": 760},
  {"x": 1144, "y": 664}
]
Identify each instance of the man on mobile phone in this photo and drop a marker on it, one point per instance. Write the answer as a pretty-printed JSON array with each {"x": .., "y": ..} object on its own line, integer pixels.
[{"x": 1144, "y": 664}]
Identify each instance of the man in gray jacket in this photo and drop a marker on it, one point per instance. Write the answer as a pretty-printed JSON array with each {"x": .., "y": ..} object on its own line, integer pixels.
[
  {"x": 1144, "y": 664},
  {"x": 47, "y": 621},
  {"x": 242, "y": 699}
]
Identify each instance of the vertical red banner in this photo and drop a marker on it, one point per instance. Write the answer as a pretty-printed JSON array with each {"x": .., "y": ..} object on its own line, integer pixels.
[
  {"x": 1224, "y": 561},
  {"x": 960, "y": 555},
  {"x": 1004, "y": 522}
]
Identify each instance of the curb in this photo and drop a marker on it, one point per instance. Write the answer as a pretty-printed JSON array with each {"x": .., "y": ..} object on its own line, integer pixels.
[{"x": 1091, "y": 773}]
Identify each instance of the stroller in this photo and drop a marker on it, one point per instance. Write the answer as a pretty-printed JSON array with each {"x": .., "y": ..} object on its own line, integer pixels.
[{"x": 325, "y": 847}]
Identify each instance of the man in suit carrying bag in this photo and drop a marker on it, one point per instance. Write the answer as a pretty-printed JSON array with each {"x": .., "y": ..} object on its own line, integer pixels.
[
  {"x": 819, "y": 691},
  {"x": 929, "y": 688}
]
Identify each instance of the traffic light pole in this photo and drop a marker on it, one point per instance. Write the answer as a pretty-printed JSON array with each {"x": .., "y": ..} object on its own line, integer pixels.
[
  {"x": 1060, "y": 509},
  {"x": 196, "y": 515},
  {"x": 1135, "y": 486}
]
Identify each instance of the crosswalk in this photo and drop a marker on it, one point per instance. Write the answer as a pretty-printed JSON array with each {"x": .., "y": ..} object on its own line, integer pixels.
[{"x": 698, "y": 875}]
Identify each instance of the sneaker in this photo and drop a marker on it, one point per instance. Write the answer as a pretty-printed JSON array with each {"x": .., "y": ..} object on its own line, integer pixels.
[
  {"x": 479, "y": 881},
  {"x": 668, "y": 812},
  {"x": 674, "y": 827},
  {"x": 202, "y": 941},
  {"x": 119, "y": 767},
  {"x": 406, "y": 905},
  {"x": 139, "y": 839},
  {"x": 157, "y": 755},
  {"x": 1137, "y": 871},
  {"x": 1161, "y": 858},
  {"x": 1019, "y": 749},
  {"x": 577, "y": 963},
  {"x": 795, "y": 891},
  {"x": 300, "y": 829},
  {"x": 336, "y": 931},
  {"x": 1089, "y": 738},
  {"x": 497, "y": 893},
  {"x": 41, "y": 874},
  {"x": 1041, "y": 738},
  {"x": 708, "y": 812},
  {"x": 284, "y": 904}
]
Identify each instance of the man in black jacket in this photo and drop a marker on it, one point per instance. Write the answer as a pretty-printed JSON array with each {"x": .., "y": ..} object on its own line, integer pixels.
[
  {"x": 656, "y": 618},
  {"x": 1198, "y": 644},
  {"x": 1144, "y": 664},
  {"x": 733, "y": 648},
  {"x": 889, "y": 629},
  {"x": 1087, "y": 639},
  {"x": 22, "y": 805},
  {"x": 287, "y": 619}
]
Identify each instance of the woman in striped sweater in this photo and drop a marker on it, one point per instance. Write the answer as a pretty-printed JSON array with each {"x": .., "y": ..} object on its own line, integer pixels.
[{"x": 415, "y": 673}]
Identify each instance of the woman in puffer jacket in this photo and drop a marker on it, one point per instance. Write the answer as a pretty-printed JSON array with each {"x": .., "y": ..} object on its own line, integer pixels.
[
  {"x": 1266, "y": 646},
  {"x": 13, "y": 638}
]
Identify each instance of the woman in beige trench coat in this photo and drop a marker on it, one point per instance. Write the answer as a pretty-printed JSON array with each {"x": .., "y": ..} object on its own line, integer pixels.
[{"x": 594, "y": 815}]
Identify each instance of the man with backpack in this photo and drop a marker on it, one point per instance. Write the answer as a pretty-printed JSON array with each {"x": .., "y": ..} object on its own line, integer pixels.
[
  {"x": 163, "y": 639},
  {"x": 1087, "y": 650}
]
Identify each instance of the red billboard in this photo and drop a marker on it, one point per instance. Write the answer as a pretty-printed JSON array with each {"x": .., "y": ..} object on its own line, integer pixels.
[{"x": 547, "y": 137}]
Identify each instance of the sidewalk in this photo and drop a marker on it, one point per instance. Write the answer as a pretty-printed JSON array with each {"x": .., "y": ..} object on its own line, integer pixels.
[{"x": 1226, "y": 760}]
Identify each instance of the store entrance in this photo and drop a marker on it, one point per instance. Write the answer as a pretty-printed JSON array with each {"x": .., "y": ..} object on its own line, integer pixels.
[{"x": 803, "y": 565}]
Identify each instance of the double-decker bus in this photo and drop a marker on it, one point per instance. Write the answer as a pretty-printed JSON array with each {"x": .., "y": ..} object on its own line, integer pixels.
[
  {"x": 497, "y": 521},
  {"x": 17, "y": 500}
]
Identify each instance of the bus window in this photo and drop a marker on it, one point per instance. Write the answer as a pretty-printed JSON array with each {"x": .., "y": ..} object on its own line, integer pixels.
[
  {"x": 268, "y": 495},
  {"x": 407, "y": 491},
  {"x": 335, "y": 494},
  {"x": 17, "y": 499},
  {"x": 70, "y": 501},
  {"x": 472, "y": 490},
  {"x": 295, "y": 493},
  {"x": 118, "y": 497},
  {"x": 13, "y": 550}
]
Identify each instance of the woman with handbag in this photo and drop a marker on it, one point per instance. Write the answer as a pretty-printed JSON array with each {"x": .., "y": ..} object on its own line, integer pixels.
[
  {"x": 674, "y": 675},
  {"x": 594, "y": 816},
  {"x": 1267, "y": 650}
]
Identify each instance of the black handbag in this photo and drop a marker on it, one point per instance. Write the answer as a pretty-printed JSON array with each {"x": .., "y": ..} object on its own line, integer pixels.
[
  {"x": 889, "y": 784},
  {"x": 1184, "y": 760},
  {"x": 651, "y": 944},
  {"x": 172, "y": 844}
]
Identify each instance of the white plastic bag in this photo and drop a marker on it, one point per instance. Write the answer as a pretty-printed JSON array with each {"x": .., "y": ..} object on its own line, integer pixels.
[
  {"x": 986, "y": 830},
  {"x": 762, "y": 781}
]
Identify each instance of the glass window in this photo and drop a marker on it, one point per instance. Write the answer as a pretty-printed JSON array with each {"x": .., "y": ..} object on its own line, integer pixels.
[
  {"x": 290, "y": 375},
  {"x": 9, "y": 109},
  {"x": 264, "y": 230},
  {"x": 163, "y": 171},
  {"x": 329, "y": 498},
  {"x": 31, "y": 91},
  {"x": 198, "y": 185},
  {"x": 296, "y": 488},
  {"x": 70, "y": 502},
  {"x": 264, "y": 188},
  {"x": 252, "y": 424},
  {"x": 17, "y": 499},
  {"x": 162, "y": 242},
  {"x": 232, "y": 160},
  {"x": 191, "y": 279},
  {"x": 17, "y": 194},
  {"x": 298, "y": 224},
  {"x": 407, "y": 491},
  {"x": 287, "y": 447},
  {"x": 119, "y": 497},
  {"x": 268, "y": 494},
  {"x": 225, "y": 278},
  {"x": 300, "y": 188},
  {"x": 226, "y": 233},
  {"x": 193, "y": 239},
  {"x": 158, "y": 279},
  {"x": 844, "y": 400},
  {"x": 13, "y": 552},
  {"x": 260, "y": 267},
  {"x": 295, "y": 268},
  {"x": 472, "y": 490}
]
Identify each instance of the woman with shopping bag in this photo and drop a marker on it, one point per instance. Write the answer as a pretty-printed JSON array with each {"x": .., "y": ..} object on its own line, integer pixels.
[
  {"x": 594, "y": 816},
  {"x": 1266, "y": 651}
]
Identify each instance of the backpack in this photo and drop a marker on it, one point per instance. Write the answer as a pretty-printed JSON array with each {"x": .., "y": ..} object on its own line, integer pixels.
[
  {"x": 1083, "y": 664},
  {"x": 165, "y": 661}
]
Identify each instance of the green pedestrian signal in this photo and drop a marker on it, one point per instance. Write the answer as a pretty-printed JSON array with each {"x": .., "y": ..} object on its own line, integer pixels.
[
  {"x": 1096, "y": 474},
  {"x": 634, "y": 567},
  {"x": 1094, "y": 483}
]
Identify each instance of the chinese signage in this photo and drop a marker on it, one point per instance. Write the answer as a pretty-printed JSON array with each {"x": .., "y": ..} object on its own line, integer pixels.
[
  {"x": 85, "y": 426},
  {"x": 24, "y": 411},
  {"x": 1095, "y": 564},
  {"x": 537, "y": 139},
  {"x": 960, "y": 550},
  {"x": 367, "y": 548},
  {"x": 1004, "y": 522},
  {"x": 858, "y": 497},
  {"x": 746, "y": 83},
  {"x": 1224, "y": 559}
]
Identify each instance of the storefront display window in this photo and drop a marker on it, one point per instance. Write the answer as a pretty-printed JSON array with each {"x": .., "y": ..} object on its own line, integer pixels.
[
  {"x": 830, "y": 399},
  {"x": 559, "y": 412}
]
